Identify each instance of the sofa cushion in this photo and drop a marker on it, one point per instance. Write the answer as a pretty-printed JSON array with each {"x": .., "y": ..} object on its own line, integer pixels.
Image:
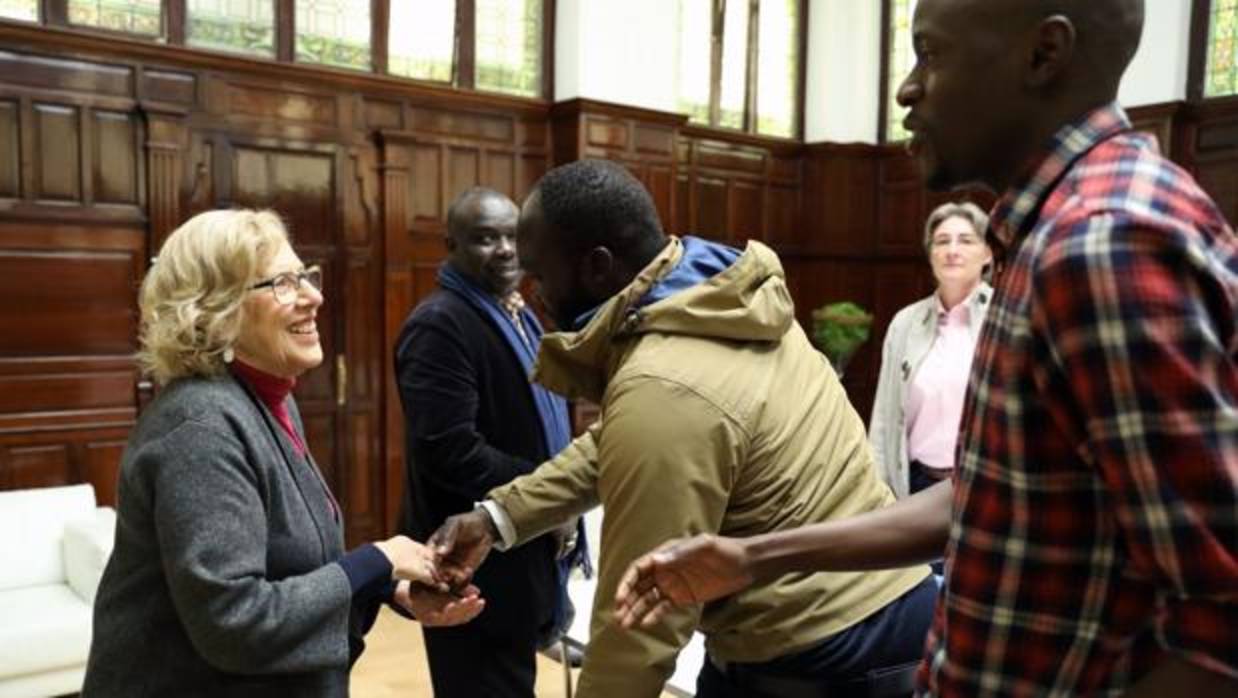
[
  {"x": 31, "y": 528},
  {"x": 45, "y": 627}
]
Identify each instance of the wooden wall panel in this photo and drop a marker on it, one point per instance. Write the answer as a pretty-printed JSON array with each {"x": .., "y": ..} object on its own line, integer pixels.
[
  {"x": 711, "y": 207},
  {"x": 67, "y": 302},
  {"x": 66, "y": 391},
  {"x": 659, "y": 180},
  {"x": 115, "y": 157},
  {"x": 263, "y": 102},
  {"x": 10, "y": 150},
  {"x": 425, "y": 179},
  {"x": 103, "y": 469},
  {"x": 39, "y": 70},
  {"x": 363, "y": 504},
  {"x": 746, "y": 217},
  {"x": 59, "y": 148},
  {"x": 783, "y": 216},
  {"x": 36, "y": 466},
  {"x": 499, "y": 173},
  {"x": 464, "y": 172}
]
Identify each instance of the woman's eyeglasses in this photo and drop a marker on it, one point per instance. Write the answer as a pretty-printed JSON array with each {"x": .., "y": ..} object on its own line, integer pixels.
[{"x": 286, "y": 286}]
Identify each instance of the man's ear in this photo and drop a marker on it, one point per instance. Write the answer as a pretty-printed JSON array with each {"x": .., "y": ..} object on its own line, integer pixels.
[
  {"x": 450, "y": 243},
  {"x": 1053, "y": 48},
  {"x": 597, "y": 269}
]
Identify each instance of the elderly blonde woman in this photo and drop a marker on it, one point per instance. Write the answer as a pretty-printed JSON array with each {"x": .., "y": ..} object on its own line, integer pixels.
[
  {"x": 927, "y": 355},
  {"x": 229, "y": 576}
]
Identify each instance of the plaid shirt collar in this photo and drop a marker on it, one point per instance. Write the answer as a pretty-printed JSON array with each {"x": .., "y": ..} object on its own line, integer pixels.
[{"x": 1014, "y": 210}]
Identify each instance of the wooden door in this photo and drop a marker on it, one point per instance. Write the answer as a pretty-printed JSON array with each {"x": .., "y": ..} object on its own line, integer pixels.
[{"x": 307, "y": 184}]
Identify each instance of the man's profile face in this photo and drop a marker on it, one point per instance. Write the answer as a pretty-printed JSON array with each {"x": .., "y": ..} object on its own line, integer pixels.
[
  {"x": 546, "y": 261},
  {"x": 959, "y": 89},
  {"x": 483, "y": 246}
]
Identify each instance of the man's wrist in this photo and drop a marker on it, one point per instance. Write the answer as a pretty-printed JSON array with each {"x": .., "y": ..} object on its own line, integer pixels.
[{"x": 502, "y": 530}]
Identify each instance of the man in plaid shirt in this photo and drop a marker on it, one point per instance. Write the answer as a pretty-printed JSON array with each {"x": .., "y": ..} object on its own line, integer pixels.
[{"x": 1093, "y": 523}]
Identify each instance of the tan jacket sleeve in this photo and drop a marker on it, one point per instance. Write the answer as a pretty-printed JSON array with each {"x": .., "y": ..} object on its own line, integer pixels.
[
  {"x": 667, "y": 459},
  {"x": 556, "y": 491}
]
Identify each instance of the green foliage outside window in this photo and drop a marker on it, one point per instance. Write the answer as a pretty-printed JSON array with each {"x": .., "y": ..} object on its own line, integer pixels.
[
  {"x": 239, "y": 26},
  {"x": 1222, "y": 71},
  {"x": 129, "y": 16}
]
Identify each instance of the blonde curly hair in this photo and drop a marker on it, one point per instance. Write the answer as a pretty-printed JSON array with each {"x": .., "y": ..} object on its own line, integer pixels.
[{"x": 192, "y": 301}]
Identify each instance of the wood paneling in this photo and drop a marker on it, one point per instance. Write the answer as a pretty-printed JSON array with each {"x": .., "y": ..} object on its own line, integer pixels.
[
  {"x": 169, "y": 86},
  {"x": 463, "y": 171},
  {"x": 36, "y": 466},
  {"x": 59, "y": 148},
  {"x": 10, "y": 151},
  {"x": 103, "y": 469},
  {"x": 746, "y": 218},
  {"x": 281, "y": 105},
  {"x": 34, "y": 70},
  {"x": 69, "y": 302},
  {"x": 116, "y": 158},
  {"x": 500, "y": 172}
]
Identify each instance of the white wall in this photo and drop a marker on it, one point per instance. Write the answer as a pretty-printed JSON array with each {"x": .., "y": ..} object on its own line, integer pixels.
[
  {"x": 1158, "y": 72},
  {"x": 622, "y": 51},
  {"x": 844, "y": 71}
]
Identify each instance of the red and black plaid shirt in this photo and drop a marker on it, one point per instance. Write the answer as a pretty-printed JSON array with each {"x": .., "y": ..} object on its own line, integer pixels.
[{"x": 1096, "y": 494}]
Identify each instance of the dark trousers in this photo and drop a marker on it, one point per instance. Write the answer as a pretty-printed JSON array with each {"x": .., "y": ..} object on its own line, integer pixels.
[
  {"x": 921, "y": 478},
  {"x": 466, "y": 661},
  {"x": 857, "y": 662}
]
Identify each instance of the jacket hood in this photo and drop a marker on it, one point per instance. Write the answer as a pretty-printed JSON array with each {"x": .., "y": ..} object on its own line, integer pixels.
[{"x": 694, "y": 287}]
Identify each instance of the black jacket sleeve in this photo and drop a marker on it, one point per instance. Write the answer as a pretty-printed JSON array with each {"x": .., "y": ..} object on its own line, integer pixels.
[{"x": 439, "y": 390}]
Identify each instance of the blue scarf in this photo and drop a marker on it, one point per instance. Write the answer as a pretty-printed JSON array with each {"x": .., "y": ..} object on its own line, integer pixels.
[{"x": 551, "y": 410}]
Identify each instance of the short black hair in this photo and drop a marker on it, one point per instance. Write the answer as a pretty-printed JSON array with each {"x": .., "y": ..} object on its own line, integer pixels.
[
  {"x": 467, "y": 198},
  {"x": 598, "y": 203}
]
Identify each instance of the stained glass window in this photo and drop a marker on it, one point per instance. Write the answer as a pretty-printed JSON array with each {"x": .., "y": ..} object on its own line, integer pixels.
[
  {"x": 240, "y": 26},
  {"x": 778, "y": 67},
  {"x": 902, "y": 60},
  {"x": 734, "y": 65},
  {"x": 694, "y": 56},
  {"x": 27, "y": 10},
  {"x": 508, "y": 46},
  {"x": 1221, "y": 77},
  {"x": 421, "y": 39},
  {"x": 130, "y": 16},
  {"x": 334, "y": 32}
]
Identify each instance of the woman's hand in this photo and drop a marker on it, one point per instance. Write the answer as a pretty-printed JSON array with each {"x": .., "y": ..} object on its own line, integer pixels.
[
  {"x": 411, "y": 561},
  {"x": 435, "y": 608}
]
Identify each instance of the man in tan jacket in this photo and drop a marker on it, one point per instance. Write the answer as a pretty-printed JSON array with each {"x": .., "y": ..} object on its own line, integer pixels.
[{"x": 717, "y": 416}]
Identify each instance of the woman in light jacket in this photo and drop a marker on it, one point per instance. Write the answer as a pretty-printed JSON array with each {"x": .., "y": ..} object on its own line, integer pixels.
[
  {"x": 926, "y": 358},
  {"x": 229, "y": 576}
]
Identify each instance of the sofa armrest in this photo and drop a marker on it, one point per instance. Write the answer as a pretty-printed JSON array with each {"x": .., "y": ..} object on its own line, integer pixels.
[{"x": 87, "y": 546}]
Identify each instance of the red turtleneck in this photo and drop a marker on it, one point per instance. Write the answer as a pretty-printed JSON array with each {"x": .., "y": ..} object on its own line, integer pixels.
[{"x": 273, "y": 391}]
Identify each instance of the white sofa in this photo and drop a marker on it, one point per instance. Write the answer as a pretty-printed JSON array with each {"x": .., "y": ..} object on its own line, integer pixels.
[{"x": 54, "y": 543}]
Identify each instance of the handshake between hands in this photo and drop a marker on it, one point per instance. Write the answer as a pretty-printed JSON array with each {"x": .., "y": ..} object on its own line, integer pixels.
[{"x": 434, "y": 579}]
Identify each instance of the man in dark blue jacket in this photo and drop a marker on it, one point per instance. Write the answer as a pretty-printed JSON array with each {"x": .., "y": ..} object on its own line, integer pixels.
[{"x": 473, "y": 422}]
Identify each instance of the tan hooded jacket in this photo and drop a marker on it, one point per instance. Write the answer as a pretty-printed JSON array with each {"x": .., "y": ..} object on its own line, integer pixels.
[{"x": 717, "y": 416}]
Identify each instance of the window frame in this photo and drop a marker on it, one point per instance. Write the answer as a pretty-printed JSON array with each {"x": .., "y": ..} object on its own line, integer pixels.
[
  {"x": 55, "y": 13},
  {"x": 1197, "y": 54},
  {"x": 752, "y": 69}
]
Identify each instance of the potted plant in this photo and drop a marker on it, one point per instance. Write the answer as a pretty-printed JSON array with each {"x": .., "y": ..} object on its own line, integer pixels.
[{"x": 838, "y": 330}]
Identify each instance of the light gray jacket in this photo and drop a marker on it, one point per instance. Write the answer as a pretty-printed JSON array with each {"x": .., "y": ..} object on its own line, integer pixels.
[
  {"x": 222, "y": 581},
  {"x": 907, "y": 342}
]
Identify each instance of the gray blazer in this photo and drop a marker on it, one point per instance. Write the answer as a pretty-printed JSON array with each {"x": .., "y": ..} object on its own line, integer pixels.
[
  {"x": 908, "y": 340},
  {"x": 222, "y": 581}
]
